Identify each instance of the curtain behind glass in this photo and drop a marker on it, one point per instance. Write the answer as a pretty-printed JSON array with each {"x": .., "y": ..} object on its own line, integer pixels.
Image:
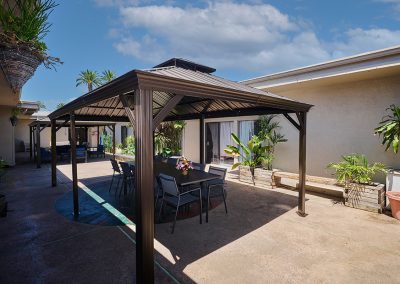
[
  {"x": 226, "y": 128},
  {"x": 246, "y": 131}
]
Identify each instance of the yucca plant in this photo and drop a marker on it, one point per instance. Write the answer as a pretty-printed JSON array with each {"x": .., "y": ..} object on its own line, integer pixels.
[
  {"x": 89, "y": 78},
  {"x": 389, "y": 129},
  {"x": 107, "y": 76},
  {"x": 355, "y": 168}
]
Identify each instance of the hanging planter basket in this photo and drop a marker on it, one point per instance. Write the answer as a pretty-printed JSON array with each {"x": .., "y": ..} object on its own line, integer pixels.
[{"x": 18, "y": 62}]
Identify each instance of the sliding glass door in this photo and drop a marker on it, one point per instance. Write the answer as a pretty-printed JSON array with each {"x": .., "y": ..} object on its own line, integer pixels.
[{"x": 218, "y": 135}]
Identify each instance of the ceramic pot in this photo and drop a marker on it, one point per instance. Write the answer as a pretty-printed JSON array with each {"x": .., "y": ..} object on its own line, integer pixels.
[{"x": 394, "y": 199}]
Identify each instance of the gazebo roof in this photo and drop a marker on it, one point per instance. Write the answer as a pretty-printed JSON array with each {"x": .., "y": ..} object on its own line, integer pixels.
[{"x": 203, "y": 94}]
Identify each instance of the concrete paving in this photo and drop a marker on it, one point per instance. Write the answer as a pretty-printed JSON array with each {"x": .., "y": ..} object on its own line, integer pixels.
[{"x": 260, "y": 240}]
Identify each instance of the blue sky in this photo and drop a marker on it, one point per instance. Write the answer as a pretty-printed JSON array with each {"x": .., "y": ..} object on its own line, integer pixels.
[{"x": 242, "y": 39}]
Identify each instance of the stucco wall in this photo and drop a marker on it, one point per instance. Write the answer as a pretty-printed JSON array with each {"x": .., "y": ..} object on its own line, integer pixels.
[
  {"x": 342, "y": 121},
  {"x": 6, "y": 136},
  {"x": 191, "y": 140}
]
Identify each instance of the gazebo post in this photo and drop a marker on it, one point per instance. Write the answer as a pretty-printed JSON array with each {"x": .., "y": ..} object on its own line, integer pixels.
[
  {"x": 113, "y": 149},
  {"x": 143, "y": 121},
  {"x": 30, "y": 143},
  {"x": 53, "y": 153},
  {"x": 302, "y": 117},
  {"x": 34, "y": 143},
  {"x": 98, "y": 136},
  {"x": 38, "y": 156},
  {"x": 74, "y": 166},
  {"x": 202, "y": 158}
]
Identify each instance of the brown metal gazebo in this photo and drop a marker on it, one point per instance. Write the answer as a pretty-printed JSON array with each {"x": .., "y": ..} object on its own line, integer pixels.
[{"x": 174, "y": 90}]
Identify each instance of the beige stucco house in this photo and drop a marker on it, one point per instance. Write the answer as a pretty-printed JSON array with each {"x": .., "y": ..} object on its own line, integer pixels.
[{"x": 349, "y": 95}]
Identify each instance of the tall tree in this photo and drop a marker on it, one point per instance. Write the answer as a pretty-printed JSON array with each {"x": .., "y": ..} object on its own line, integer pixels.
[
  {"x": 60, "y": 105},
  {"x": 107, "y": 76},
  {"x": 90, "y": 78}
]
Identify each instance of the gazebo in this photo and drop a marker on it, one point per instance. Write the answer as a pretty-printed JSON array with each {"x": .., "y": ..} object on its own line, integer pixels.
[
  {"x": 37, "y": 126},
  {"x": 177, "y": 89}
]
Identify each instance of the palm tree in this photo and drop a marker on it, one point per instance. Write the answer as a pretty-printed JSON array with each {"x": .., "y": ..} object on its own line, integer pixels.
[
  {"x": 90, "y": 78},
  {"x": 107, "y": 76}
]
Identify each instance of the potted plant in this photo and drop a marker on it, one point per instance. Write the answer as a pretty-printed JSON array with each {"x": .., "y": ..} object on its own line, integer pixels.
[
  {"x": 254, "y": 156},
  {"x": 22, "y": 49},
  {"x": 355, "y": 174},
  {"x": 389, "y": 130},
  {"x": 14, "y": 116}
]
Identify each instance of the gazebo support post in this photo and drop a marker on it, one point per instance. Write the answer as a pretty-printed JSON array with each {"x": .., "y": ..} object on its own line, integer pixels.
[
  {"x": 202, "y": 158},
  {"x": 143, "y": 119},
  {"x": 98, "y": 136},
  {"x": 302, "y": 117},
  {"x": 38, "y": 156},
  {"x": 53, "y": 153},
  {"x": 74, "y": 166},
  {"x": 30, "y": 143},
  {"x": 113, "y": 141}
]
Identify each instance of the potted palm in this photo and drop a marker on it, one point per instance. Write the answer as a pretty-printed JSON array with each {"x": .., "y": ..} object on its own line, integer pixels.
[
  {"x": 389, "y": 130},
  {"x": 355, "y": 174},
  {"x": 23, "y": 26}
]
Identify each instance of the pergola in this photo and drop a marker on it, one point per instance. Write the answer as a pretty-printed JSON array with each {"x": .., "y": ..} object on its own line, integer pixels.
[
  {"x": 174, "y": 90},
  {"x": 37, "y": 126}
]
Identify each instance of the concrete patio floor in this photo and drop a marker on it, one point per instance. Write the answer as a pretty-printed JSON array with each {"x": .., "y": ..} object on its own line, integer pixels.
[{"x": 260, "y": 240}]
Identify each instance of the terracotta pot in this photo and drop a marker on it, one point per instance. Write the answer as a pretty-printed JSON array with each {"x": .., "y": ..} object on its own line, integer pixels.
[{"x": 394, "y": 199}]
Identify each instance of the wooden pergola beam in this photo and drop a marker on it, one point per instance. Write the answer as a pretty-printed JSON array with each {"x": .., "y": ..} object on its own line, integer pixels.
[
  {"x": 128, "y": 111},
  {"x": 163, "y": 113},
  {"x": 63, "y": 124},
  {"x": 292, "y": 121}
]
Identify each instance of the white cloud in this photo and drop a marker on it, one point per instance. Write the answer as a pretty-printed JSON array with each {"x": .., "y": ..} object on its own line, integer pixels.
[{"x": 255, "y": 37}]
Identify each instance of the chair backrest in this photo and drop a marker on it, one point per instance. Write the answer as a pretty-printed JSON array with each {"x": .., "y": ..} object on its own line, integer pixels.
[
  {"x": 199, "y": 167},
  {"x": 80, "y": 151},
  {"x": 218, "y": 171},
  {"x": 158, "y": 158},
  {"x": 115, "y": 166},
  {"x": 168, "y": 185},
  {"x": 126, "y": 169},
  {"x": 172, "y": 161},
  {"x": 100, "y": 148}
]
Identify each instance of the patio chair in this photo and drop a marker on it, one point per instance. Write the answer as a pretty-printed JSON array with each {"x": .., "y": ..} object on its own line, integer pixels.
[
  {"x": 116, "y": 174},
  {"x": 98, "y": 151},
  {"x": 173, "y": 197},
  {"x": 199, "y": 167},
  {"x": 159, "y": 158},
  {"x": 215, "y": 188},
  {"x": 127, "y": 177},
  {"x": 172, "y": 161},
  {"x": 81, "y": 154}
]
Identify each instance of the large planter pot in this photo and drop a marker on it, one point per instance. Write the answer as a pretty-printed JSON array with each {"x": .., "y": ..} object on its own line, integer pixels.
[
  {"x": 365, "y": 197},
  {"x": 394, "y": 199},
  {"x": 246, "y": 174},
  {"x": 18, "y": 62},
  {"x": 265, "y": 178},
  {"x": 392, "y": 183}
]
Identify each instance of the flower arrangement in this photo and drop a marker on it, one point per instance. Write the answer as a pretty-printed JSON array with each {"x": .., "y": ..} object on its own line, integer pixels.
[{"x": 184, "y": 165}]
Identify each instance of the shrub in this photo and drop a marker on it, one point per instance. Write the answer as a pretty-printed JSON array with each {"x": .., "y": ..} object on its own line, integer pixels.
[{"x": 354, "y": 168}]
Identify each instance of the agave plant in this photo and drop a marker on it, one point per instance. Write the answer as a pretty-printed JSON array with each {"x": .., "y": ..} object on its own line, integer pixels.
[
  {"x": 355, "y": 168},
  {"x": 90, "y": 78},
  {"x": 255, "y": 153},
  {"x": 107, "y": 76},
  {"x": 389, "y": 128}
]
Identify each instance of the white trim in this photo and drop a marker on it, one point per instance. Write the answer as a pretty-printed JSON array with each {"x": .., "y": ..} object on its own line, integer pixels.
[{"x": 379, "y": 59}]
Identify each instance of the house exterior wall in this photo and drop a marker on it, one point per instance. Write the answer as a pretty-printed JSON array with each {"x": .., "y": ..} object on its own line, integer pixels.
[
  {"x": 342, "y": 121},
  {"x": 7, "y": 152}
]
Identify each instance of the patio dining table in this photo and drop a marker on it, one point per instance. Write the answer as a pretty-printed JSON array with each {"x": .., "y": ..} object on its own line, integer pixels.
[{"x": 193, "y": 176}]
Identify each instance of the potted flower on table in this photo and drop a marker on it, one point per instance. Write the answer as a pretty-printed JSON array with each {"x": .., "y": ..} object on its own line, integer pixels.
[{"x": 184, "y": 165}]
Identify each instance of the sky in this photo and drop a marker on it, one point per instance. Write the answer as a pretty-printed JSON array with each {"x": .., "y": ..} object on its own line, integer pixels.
[{"x": 241, "y": 39}]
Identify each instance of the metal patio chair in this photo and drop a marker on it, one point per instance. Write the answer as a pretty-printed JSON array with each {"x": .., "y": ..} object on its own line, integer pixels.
[
  {"x": 172, "y": 196},
  {"x": 116, "y": 174},
  {"x": 215, "y": 188},
  {"x": 172, "y": 161},
  {"x": 127, "y": 177},
  {"x": 199, "y": 166}
]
